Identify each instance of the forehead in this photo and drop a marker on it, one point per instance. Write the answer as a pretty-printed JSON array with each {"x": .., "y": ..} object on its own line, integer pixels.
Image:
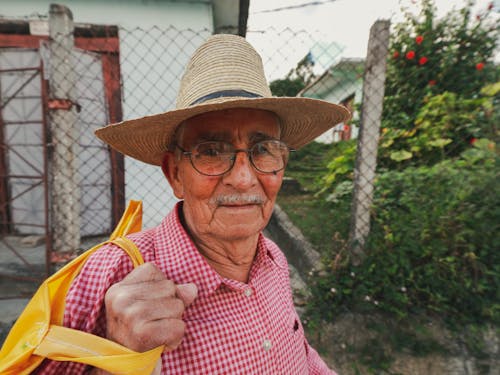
[{"x": 229, "y": 124}]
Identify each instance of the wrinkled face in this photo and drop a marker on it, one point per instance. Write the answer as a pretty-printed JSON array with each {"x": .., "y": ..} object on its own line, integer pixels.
[{"x": 239, "y": 203}]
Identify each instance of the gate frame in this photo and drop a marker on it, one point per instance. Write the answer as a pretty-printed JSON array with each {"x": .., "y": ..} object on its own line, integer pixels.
[{"x": 100, "y": 39}]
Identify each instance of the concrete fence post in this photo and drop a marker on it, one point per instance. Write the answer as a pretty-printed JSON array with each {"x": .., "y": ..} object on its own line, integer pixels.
[
  {"x": 366, "y": 158},
  {"x": 64, "y": 184}
]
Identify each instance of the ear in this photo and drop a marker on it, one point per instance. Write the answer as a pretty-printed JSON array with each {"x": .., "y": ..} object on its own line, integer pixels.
[{"x": 170, "y": 169}]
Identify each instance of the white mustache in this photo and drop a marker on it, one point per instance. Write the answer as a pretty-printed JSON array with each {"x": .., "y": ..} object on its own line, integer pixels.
[{"x": 237, "y": 199}]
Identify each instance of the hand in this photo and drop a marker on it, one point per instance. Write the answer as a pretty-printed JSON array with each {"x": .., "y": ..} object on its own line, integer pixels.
[{"x": 145, "y": 309}]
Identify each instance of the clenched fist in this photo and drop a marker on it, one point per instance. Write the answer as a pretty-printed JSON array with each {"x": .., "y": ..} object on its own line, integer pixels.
[{"x": 145, "y": 309}]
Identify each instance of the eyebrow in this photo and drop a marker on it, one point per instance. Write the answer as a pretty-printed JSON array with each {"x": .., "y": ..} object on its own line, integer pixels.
[
  {"x": 226, "y": 136},
  {"x": 213, "y": 136},
  {"x": 259, "y": 136}
]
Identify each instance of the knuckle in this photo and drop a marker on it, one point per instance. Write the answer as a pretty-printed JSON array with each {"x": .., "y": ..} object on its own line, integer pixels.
[
  {"x": 167, "y": 286},
  {"x": 147, "y": 267},
  {"x": 176, "y": 307},
  {"x": 112, "y": 298},
  {"x": 116, "y": 298},
  {"x": 144, "y": 273},
  {"x": 112, "y": 290},
  {"x": 121, "y": 301},
  {"x": 151, "y": 271},
  {"x": 131, "y": 314}
]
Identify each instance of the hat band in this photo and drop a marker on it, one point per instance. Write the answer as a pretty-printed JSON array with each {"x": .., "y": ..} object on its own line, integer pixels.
[{"x": 226, "y": 94}]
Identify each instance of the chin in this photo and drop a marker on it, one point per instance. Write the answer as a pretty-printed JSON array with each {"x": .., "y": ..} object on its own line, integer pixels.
[{"x": 240, "y": 231}]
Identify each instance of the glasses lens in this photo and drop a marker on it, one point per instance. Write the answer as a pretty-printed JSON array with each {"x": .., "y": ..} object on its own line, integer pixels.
[
  {"x": 212, "y": 158},
  {"x": 269, "y": 156}
]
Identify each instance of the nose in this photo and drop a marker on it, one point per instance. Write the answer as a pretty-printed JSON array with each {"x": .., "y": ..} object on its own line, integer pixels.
[{"x": 243, "y": 175}]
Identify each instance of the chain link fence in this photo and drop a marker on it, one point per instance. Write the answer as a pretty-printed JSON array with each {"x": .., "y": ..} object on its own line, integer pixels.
[
  {"x": 90, "y": 76},
  {"x": 55, "y": 94},
  {"x": 63, "y": 190}
]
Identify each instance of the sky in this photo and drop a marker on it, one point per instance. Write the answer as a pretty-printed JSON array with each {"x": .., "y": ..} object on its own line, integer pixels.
[{"x": 347, "y": 22}]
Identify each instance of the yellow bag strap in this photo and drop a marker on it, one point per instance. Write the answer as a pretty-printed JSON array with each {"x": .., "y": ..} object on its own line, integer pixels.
[
  {"x": 65, "y": 344},
  {"x": 130, "y": 222}
]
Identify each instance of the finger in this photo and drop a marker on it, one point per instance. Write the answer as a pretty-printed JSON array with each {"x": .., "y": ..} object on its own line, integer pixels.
[
  {"x": 187, "y": 293},
  {"x": 143, "y": 273},
  {"x": 147, "y": 290},
  {"x": 168, "y": 332},
  {"x": 122, "y": 296},
  {"x": 151, "y": 310}
]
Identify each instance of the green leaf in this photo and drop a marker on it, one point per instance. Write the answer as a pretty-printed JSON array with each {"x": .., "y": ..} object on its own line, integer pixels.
[
  {"x": 441, "y": 142},
  {"x": 401, "y": 155},
  {"x": 491, "y": 90}
]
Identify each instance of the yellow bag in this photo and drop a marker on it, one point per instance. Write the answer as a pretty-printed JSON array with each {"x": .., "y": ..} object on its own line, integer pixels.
[{"x": 38, "y": 332}]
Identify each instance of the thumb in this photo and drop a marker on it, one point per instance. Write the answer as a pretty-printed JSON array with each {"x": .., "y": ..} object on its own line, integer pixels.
[{"x": 187, "y": 293}]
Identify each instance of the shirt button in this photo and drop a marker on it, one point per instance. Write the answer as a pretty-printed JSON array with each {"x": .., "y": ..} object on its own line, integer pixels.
[
  {"x": 248, "y": 292},
  {"x": 267, "y": 345}
]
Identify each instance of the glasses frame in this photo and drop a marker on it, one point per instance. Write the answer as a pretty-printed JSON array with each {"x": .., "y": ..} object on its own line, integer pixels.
[{"x": 247, "y": 151}]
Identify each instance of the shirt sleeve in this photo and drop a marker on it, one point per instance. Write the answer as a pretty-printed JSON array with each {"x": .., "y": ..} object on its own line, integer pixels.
[
  {"x": 85, "y": 301},
  {"x": 315, "y": 364}
]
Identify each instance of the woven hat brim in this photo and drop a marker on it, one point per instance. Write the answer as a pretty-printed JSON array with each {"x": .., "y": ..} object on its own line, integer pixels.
[{"x": 147, "y": 138}]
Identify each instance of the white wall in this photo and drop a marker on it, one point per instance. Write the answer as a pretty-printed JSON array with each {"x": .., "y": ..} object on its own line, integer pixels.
[{"x": 127, "y": 13}]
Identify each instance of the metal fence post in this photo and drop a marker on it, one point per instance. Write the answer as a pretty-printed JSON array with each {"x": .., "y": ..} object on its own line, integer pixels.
[
  {"x": 65, "y": 197},
  {"x": 366, "y": 158}
]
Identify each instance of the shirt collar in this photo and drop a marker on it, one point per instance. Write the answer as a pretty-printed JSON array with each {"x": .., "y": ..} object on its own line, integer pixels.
[{"x": 177, "y": 256}]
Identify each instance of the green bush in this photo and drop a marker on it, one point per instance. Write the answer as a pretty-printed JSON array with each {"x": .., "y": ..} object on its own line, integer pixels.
[
  {"x": 443, "y": 128},
  {"x": 319, "y": 167},
  {"x": 340, "y": 167},
  {"x": 433, "y": 246},
  {"x": 436, "y": 62},
  {"x": 320, "y": 221}
]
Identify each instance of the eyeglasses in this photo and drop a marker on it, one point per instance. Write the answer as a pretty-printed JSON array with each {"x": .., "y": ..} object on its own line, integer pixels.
[{"x": 216, "y": 158}]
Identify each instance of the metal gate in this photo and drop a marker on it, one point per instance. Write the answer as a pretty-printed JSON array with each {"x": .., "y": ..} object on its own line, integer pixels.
[
  {"x": 23, "y": 171},
  {"x": 26, "y": 253}
]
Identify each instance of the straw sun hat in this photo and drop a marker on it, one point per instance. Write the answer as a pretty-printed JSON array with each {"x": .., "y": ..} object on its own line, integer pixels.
[{"x": 224, "y": 72}]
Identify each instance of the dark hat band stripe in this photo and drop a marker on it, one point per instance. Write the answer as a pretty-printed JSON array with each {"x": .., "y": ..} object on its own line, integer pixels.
[{"x": 226, "y": 94}]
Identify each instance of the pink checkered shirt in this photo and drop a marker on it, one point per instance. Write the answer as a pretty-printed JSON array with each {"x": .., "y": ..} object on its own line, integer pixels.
[{"x": 231, "y": 328}]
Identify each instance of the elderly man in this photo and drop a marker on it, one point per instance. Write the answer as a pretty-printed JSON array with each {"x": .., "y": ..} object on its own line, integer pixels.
[{"x": 214, "y": 290}]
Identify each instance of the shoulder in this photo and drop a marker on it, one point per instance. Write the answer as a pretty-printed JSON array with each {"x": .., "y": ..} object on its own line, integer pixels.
[
  {"x": 144, "y": 240},
  {"x": 110, "y": 264}
]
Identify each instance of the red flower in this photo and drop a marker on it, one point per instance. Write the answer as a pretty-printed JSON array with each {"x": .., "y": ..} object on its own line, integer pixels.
[
  {"x": 490, "y": 6},
  {"x": 472, "y": 141},
  {"x": 419, "y": 39},
  {"x": 395, "y": 55},
  {"x": 422, "y": 60},
  {"x": 479, "y": 66},
  {"x": 432, "y": 82},
  {"x": 410, "y": 55}
]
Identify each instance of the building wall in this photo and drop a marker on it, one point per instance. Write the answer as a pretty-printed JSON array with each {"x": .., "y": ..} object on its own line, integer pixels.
[
  {"x": 344, "y": 90},
  {"x": 338, "y": 94},
  {"x": 126, "y": 13}
]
